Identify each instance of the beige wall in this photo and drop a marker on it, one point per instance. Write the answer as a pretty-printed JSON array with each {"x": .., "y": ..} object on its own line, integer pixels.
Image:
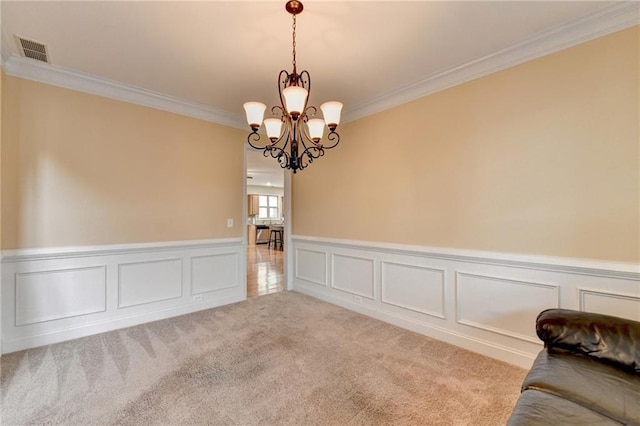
[
  {"x": 79, "y": 169},
  {"x": 1, "y": 78},
  {"x": 542, "y": 158}
]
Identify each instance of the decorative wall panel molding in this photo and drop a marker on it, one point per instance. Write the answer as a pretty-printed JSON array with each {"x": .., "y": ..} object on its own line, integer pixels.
[
  {"x": 352, "y": 274},
  {"x": 482, "y": 301},
  {"x": 311, "y": 266},
  {"x": 50, "y": 295},
  {"x": 214, "y": 272},
  {"x": 56, "y": 294},
  {"x": 413, "y": 287},
  {"x": 513, "y": 305},
  {"x": 149, "y": 281},
  {"x": 608, "y": 303}
]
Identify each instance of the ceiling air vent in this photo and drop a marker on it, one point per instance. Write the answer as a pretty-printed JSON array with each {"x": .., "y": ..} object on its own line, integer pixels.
[{"x": 33, "y": 49}]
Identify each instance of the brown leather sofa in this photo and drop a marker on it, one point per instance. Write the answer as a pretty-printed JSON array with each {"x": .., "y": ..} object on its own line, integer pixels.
[{"x": 588, "y": 373}]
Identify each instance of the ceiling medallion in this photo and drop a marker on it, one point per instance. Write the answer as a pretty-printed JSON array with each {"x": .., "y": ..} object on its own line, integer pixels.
[{"x": 295, "y": 136}]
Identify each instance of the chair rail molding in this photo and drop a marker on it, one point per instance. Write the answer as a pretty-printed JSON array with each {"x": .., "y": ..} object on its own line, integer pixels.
[{"x": 483, "y": 301}]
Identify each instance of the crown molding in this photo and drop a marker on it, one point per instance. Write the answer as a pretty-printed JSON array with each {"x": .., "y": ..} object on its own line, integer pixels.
[
  {"x": 617, "y": 17},
  {"x": 5, "y": 49},
  {"x": 58, "y": 76}
]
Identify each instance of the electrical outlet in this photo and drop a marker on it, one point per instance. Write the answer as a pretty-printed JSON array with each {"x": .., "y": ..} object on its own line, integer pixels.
[
  {"x": 230, "y": 223},
  {"x": 357, "y": 299},
  {"x": 197, "y": 298}
]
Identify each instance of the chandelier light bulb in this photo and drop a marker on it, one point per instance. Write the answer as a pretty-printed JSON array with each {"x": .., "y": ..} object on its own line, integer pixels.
[
  {"x": 273, "y": 127},
  {"x": 316, "y": 128},
  {"x": 331, "y": 112},
  {"x": 295, "y": 99},
  {"x": 255, "y": 114}
]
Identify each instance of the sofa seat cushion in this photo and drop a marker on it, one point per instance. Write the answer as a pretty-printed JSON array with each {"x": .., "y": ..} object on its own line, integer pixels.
[
  {"x": 604, "y": 388},
  {"x": 540, "y": 408}
]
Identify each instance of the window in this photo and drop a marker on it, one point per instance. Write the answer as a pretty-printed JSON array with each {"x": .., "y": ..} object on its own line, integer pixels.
[{"x": 268, "y": 207}]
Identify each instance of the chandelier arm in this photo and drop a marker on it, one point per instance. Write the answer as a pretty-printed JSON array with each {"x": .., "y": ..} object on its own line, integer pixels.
[
  {"x": 310, "y": 152},
  {"x": 279, "y": 153},
  {"x": 283, "y": 83},
  {"x": 304, "y": 137},
  {"x": 314, "y": 152},
  {"x": 311, "y": 111},
  {"x": 296, "y": 139},
  {"x": 273, "y": 150},
  {"x": 302, "y": 163},
  {"x": 255, "y": 136},
  {"x": 284, "y": 140},
  {"x": 304, "y": 80},
  {"x": 275, "y": 110},
  {"x": 276, "y": 150},
  {"x": 282, "y": 158},
  {"x": 284, "y": 161},
  {"x": 283, "y": 130},
  {"x": 333, "y": 137},
  {"x": 308, "y": 155}
]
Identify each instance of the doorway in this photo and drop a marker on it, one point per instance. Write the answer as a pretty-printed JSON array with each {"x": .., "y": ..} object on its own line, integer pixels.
[{"x": 266, "y": 225}]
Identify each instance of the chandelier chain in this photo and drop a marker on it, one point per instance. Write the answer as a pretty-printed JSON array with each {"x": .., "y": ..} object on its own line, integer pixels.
[{"x": 294, "y": 42}]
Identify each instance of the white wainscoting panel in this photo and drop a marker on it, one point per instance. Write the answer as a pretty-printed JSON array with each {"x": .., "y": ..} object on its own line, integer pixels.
[
  {"x": 51, "y": 295},
  {"x": 501, "y": 305},
  {"x": 352, "y": 274},
  {"x": 311, "y": 266},
  {"x": 214, "y": 272},
  {"x": 55, "y": 294},
  {"x": 413, "y": 287},
  {"x": 619, "y": 305},
  {"x": 482, "y": 301},
  {"x": 148, "y": 282}
]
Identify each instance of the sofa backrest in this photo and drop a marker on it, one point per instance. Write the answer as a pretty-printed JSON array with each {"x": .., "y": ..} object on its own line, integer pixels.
[{"x": 603, "y": 337}]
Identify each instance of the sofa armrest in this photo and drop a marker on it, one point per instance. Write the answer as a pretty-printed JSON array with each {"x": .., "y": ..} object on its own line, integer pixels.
[{"x": 604, "y": 337}]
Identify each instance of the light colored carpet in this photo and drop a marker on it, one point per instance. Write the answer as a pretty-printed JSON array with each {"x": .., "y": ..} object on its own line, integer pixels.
[{"x": 280, "y": 359}]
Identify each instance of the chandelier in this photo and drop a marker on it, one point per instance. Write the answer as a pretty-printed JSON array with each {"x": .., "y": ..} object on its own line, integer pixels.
[{"x": 295, "y": 135}]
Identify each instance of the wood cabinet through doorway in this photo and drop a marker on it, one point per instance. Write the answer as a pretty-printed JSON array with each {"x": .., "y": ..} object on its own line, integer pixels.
[{"x": 252, "y": 205}]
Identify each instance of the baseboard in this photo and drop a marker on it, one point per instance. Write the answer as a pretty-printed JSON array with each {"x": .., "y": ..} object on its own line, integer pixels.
[
  {"x": 21, "y": 343},
  {"x": 481, "y": 301},
  {"x": 486, "y": 348},
  {"x": 53, "y": 295}
]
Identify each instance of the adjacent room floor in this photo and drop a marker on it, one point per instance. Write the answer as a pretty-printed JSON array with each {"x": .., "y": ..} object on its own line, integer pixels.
[{"x": 265, "y": 270}]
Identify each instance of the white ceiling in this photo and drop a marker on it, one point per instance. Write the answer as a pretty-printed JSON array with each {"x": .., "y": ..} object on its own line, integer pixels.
[
  {"x": 264, "y": 171},
  {"x": 219, "y": 54}
]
